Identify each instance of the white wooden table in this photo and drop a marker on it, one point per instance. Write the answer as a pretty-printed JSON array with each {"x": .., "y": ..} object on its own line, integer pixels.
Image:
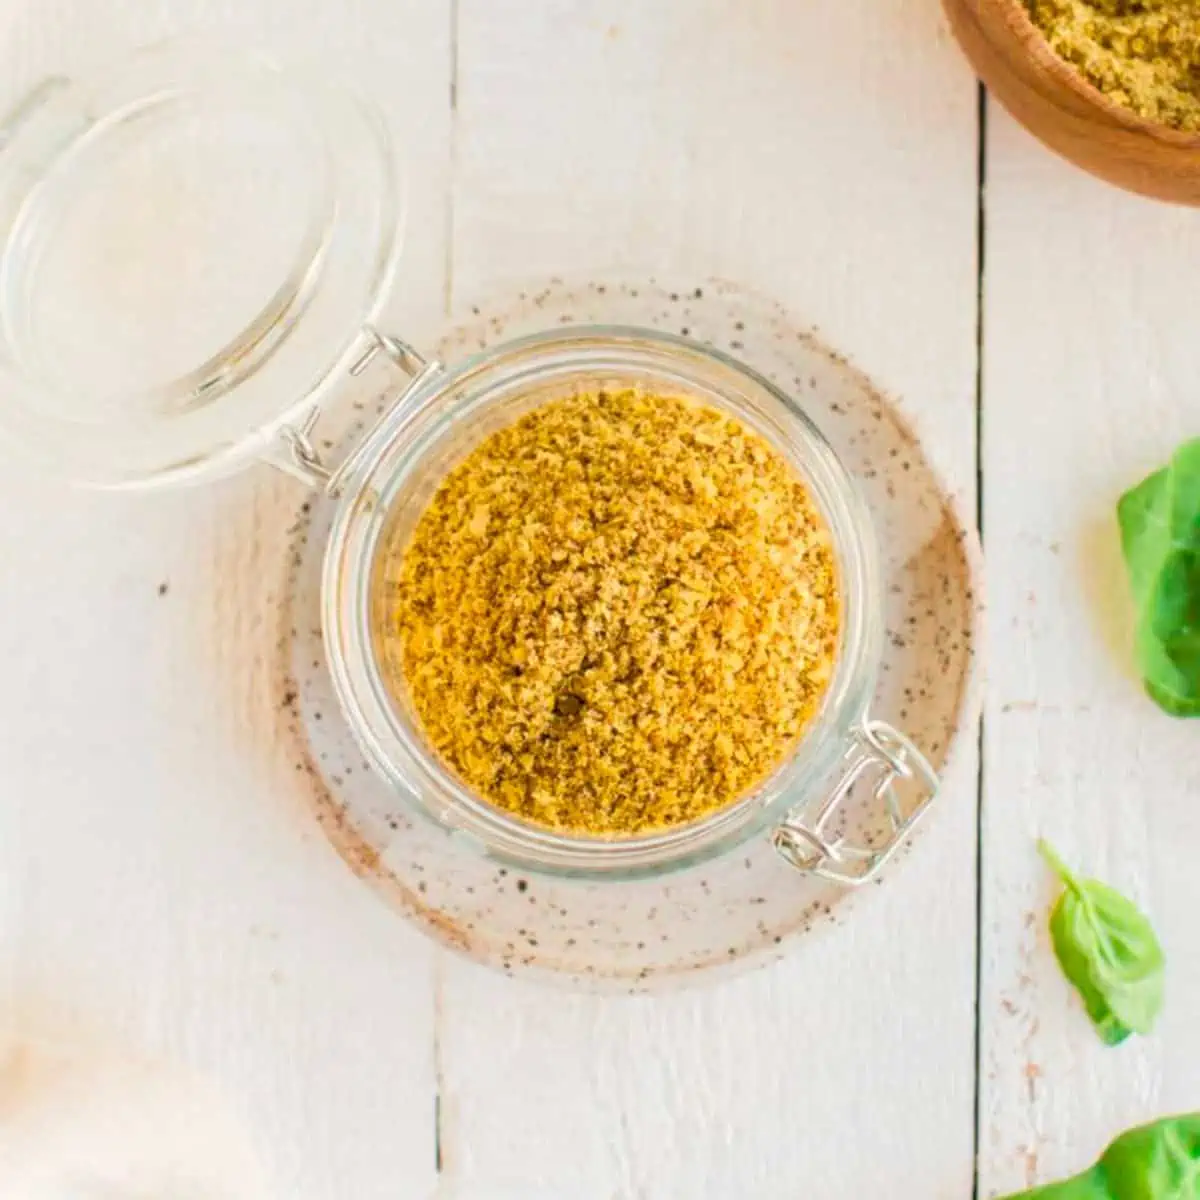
[{"x": 162, "y": 886}]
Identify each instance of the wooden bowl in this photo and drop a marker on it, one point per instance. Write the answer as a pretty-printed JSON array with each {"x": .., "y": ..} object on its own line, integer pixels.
[{"x": 1062, "y": 109}]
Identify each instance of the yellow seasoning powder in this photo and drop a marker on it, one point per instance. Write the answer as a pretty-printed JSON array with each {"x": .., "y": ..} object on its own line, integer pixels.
[
  {"x": 616, "y": 615},
  {"x": 1143, "y": 54}
]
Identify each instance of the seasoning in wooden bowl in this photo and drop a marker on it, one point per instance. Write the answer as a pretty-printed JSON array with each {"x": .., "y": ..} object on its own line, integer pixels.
[
  {"x": 1142, "y": 54},
  {"x": 616, "y": 615},
  {"x": 1111, "y": 85}
]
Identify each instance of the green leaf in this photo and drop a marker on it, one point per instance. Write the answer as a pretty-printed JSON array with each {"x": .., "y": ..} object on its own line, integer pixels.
[
  {"x": 1090, "y": 1185},
  {"x": 1160, "y": 540},
  {"x": 1160, "y": 1161},
  {"x": 1156, "y": 1162},
  {"x": 1108, "y": 951}
]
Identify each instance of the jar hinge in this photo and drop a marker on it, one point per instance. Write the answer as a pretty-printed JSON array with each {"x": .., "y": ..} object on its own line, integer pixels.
[
  {"x": 806, "y": 844},
  {"x": 297, "y": 452}
]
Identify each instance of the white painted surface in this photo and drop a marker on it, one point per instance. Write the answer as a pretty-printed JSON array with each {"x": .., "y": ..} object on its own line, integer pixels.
[
  {"x": 160, "y": 881},
  {"x": 1090, "y": 369}
]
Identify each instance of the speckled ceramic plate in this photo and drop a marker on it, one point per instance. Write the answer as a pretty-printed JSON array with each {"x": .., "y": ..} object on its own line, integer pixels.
[{"x": 737, "y": 910}]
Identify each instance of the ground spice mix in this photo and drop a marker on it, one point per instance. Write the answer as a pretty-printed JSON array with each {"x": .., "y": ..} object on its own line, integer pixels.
[
  {"x": 616, "y": 615},
  {"x": 1144, "y": 54}
]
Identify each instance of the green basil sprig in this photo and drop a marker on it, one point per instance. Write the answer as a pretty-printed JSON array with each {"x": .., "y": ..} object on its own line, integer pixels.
[
  {"x": 1109, "y": 951},
  {"x": 1160, "y": 540},
  {"x": 1160, "y": 1161}
]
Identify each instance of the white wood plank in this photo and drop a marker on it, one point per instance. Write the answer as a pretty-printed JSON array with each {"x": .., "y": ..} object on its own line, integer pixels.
[
  {"x": 824, "y": 153},
  {"x": 169, "y": 890},
  {"x": 1091, "y": 362}
]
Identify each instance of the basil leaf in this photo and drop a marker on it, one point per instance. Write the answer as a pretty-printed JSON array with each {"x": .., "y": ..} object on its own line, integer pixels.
[
  {"x": 1109, "y": 952},
  {"x": 1160, "y": 540},
  {"x": 1160, "y": 1161}
]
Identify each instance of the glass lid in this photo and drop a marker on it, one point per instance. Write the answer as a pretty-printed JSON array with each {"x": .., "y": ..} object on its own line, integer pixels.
[{"x": 190, "y": 246}]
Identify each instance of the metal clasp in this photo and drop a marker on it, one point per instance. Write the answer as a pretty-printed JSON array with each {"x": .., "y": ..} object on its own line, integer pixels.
[
  {"x": 803, "y": 841},
  {"x": 298, "y": 454}
]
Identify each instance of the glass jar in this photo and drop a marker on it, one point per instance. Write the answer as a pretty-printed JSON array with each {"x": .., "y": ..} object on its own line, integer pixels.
[
  {"x": 151, "y": 339},
  {"x": 437, "y": 420}
]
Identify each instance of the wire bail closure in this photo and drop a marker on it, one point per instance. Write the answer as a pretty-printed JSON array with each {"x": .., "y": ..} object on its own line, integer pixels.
[
  {"x": 804, "y": 843},
  {"x": 297, "y": 452}
]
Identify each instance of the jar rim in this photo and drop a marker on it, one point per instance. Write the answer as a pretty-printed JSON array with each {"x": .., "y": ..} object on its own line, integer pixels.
[{"x": 468, "y": 390}]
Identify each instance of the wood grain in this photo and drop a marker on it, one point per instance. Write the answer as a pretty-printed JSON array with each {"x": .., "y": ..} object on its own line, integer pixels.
[
  {"x": 1090, "y": 369},
  {"x": 770, "y": 142},
  {"x": 169, "y": 891},
  {"x": 1057, "y": 105}
]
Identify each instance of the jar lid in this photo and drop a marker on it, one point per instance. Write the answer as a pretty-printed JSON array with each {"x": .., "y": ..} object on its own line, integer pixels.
[{"x": 190, "y": 246}]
